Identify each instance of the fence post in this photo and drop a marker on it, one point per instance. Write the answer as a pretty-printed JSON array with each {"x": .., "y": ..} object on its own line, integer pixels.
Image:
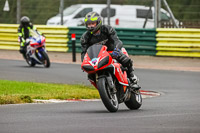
[
  {"x": 73, "y": 38},
  {"x": 18, "y": 11}
]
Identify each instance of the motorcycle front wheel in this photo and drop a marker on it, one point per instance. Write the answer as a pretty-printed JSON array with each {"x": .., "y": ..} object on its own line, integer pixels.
[
  {"x": 46, "y": 61},
  {"x": 135, "y": 101},
  {"x": 109, "y": 100}
]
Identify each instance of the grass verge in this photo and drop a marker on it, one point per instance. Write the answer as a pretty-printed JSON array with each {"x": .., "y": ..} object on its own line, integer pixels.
[{"x": 12, "y": 92}]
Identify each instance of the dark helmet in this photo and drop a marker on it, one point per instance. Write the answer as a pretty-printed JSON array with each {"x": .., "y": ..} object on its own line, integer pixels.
[
  {"x": 93, "y": 17},
  {"x": 25, "y": 21}
]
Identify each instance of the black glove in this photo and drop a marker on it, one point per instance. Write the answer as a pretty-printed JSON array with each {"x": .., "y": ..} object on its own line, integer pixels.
[{"x": 116, "y": 53}]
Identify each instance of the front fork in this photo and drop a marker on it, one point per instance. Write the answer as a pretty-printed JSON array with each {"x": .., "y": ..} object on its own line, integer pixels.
[
  {"x": 38, "y": 52},
  {"x": 109, "y": 81},
  {"x": 123, "y": 95}
]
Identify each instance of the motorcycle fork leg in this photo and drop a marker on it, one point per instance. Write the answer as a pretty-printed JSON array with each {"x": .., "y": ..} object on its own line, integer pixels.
[
  {"x": 109, "y": 81},
  {"x": 127, "y": 94}
]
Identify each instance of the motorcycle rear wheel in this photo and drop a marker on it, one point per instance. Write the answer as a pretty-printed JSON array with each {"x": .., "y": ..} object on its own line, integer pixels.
[
  {"x": 29, "y": 61},
  {"x": 135, "y": 101},
  {"x": 109, "y": 100}
]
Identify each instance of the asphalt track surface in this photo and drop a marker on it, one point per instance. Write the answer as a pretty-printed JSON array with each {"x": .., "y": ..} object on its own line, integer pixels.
[{"x": 177, "y": 110}]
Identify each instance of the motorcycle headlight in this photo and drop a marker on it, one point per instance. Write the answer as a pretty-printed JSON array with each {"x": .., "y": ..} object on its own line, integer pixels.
[
  {"x": 103, "y": 62},
  {"x": 88, "y": 68}
]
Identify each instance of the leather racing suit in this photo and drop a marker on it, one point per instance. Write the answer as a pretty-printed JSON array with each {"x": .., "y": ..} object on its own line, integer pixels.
[{"x": 108, "y": 37}]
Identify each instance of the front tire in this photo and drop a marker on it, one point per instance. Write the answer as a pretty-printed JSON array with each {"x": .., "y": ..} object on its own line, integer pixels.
[
  {"x": 46, "y": 61},
  {"x": 135, "y": 100},
  {"x": 109, "y": 100}
]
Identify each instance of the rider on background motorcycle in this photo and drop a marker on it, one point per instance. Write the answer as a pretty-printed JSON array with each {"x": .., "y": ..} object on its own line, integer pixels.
[
  {"x": 98, "y": 33},
  {"x": 23, "y": 32}
]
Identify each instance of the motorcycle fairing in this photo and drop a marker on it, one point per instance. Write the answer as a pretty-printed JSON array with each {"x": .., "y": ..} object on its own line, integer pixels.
[
  {"x": 37, "y": 42},
  {"x": 32, "y": 54},
  {"x": 36, "y": 45},
  {"x": 97, "y": 58},
  {"x": 121, "y": 76}
]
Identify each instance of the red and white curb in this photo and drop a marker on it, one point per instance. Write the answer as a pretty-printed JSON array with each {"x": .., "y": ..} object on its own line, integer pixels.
[
  {"x": 149, "y": 94},
  {"x": 145, "y": 94}
]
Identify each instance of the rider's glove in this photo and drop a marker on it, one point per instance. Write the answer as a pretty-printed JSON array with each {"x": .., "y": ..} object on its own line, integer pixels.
[
  {"x": 116, "y": 53},
  {"x": 43, "y": 35}
]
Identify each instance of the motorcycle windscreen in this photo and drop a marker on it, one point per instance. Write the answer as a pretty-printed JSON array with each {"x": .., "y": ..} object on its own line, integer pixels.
[
  {"x": 34, "y": 34},
  {"x": 93, "y": 51}
]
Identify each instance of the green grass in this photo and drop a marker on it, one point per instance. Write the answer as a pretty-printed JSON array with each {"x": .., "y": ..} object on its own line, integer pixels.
[{"x": 12, "y": 92}]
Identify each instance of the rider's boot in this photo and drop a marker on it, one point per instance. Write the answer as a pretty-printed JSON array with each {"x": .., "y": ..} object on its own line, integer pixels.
[
  {"x": 22, "y": 49},
  {"x": 133, "y": 79}
]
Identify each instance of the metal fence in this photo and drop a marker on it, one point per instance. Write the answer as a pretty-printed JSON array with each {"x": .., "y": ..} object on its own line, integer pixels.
[{"x": 181, "y": 24}]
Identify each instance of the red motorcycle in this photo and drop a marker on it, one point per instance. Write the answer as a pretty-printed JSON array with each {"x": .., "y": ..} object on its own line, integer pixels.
[{"x": 110, "y": 78}]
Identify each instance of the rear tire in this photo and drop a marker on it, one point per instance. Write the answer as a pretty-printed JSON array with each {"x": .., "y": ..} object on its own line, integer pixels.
[
  {"x": 135, "y": 100},
  {"x": 29, "y": 61},
  {"x": 109, "y": 100}
]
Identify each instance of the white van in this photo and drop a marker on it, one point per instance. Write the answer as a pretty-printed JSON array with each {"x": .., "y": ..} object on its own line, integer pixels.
[{"x": 125, "y": 16}]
